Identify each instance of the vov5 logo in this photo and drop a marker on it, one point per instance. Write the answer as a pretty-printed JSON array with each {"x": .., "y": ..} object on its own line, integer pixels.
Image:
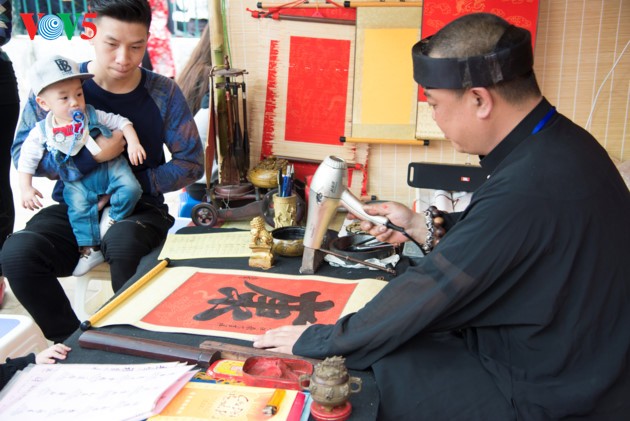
[{"x": 51, "y": 27}]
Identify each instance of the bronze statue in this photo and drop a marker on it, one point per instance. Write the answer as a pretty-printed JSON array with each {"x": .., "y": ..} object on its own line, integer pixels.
[{"x": 261, "y": 243}]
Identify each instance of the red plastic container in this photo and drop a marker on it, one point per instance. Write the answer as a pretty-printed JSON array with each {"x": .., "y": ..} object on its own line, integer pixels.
[{"x": 279, "y": 373}]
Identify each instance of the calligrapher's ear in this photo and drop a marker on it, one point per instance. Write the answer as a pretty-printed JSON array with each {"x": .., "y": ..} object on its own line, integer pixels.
[{"x": 484, "y": 102}]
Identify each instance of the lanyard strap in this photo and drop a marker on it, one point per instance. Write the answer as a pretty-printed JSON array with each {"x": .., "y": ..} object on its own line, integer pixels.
[{"x": 544, "y": 120}]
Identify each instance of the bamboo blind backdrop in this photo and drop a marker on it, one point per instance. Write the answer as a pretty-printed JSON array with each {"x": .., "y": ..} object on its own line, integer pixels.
[{"x": 578, "y": 43}]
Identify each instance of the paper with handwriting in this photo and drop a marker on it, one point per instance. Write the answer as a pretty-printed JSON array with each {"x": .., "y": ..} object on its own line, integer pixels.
[
  {"x": 200, "y": 246},
  {"x": 108, "y": 392}
]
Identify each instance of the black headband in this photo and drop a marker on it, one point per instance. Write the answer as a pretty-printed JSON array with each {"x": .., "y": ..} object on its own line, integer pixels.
[{"x": 503, "y": 64}]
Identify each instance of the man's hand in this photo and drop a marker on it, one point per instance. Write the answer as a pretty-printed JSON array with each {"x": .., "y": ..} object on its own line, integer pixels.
[
  {"x": 398, "y": 214},
  {"x": 280, "y": 339},
  {"x": 111, "y": 147}
]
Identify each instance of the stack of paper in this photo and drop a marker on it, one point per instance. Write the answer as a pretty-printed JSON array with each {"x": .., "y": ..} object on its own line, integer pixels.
[{"x": 68, "y": 392}]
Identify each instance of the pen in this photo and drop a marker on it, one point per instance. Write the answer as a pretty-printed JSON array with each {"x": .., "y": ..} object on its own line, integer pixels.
[
  {"x": 288, "y": 190},
  {"x": 273, "y": 405},
  {"x": 286, "y": 186},
  {"x": 280, "y": 181}
]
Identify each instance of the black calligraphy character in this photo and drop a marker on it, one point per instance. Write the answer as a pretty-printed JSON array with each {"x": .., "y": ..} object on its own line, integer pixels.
[
  {"x": 236, "y": 303},
  {"x": 270, "y": 304}
]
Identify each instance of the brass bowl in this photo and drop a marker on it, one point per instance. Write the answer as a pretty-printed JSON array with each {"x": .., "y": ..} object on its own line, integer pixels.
[
  {"x": 265, "y": 173},
  {"x": 266, "y": 179},
  {"x": 357, "y": 246},
  {"x": 288, "y": 241}
]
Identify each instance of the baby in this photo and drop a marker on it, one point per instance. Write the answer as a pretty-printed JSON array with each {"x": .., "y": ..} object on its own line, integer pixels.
[{"x": 57, "y": 84}]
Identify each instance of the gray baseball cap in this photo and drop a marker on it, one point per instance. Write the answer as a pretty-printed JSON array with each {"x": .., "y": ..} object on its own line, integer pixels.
[{"x": 53, "y": 69}]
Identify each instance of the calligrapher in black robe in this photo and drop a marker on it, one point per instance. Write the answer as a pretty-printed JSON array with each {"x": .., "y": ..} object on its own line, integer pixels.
[{"x": 522, "y": 310}]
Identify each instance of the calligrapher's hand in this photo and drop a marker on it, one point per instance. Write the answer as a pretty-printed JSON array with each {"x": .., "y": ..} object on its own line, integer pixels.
[
  {"x": 111, "y": 147},
  {"x": 280, "y": 339},
  {"x": 52, "y": 354},
  {"x": 397, "y": 214}
]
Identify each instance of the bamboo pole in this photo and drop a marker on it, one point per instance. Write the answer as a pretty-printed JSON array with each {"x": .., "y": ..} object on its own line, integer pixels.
[
  {"x": 218, "y": 57},
  {"x": 117, "y": 300}
]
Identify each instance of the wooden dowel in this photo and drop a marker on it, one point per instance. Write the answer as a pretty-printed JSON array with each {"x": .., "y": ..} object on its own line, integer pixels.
[
  {"x": 148, "y": 348},
  {"x": 382, "y": 4},
  {"x": 107, "y": 308},
  {"x": 304, "y": 160},
  {"x": 414, "y": 142},
  {"x": 204, "y": 355},
  {"x": 315, "y": 20},
  {"x": 285, "y": 6},
  {"x": 346, "y": 4}
]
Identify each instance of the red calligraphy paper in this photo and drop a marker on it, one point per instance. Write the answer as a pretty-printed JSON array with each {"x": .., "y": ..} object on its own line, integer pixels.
[
  {"x": 317, "y": 90},
  {"x": 248, "y": 304}
]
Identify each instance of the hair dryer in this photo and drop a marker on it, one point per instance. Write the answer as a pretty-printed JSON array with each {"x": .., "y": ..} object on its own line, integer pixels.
[{"x": 328, "y": 190}]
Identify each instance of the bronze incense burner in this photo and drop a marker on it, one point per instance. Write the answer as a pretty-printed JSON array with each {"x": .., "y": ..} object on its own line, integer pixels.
[{"x": 331, "y": 386}]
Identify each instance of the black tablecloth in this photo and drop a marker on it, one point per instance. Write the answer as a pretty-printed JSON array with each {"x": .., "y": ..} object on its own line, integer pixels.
[{"x": 365, "y": 403}]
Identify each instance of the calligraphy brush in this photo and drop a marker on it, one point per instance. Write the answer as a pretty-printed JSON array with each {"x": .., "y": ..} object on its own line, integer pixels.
[
  {"x": 362, "y": 262},
  {"x": 228, "y": 161},
  {"x": 245, "y": 134},
  {"x": 211, "y": 139},
  {"x": 367, "y": 241},
  {"x": 368, "y": 247},
  {"x": 238, "y": 134},
  {"x": 228, "y": 165}
]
